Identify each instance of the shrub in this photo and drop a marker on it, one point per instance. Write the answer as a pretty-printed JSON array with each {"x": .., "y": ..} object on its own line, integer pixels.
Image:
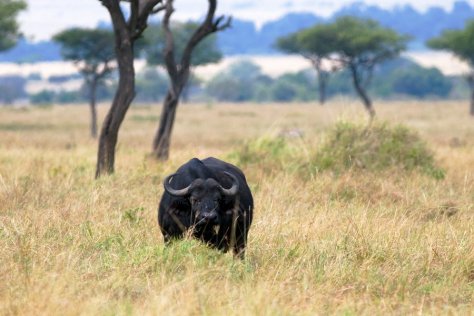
[
  {"x": 43, "y": 97},
  {"x": 375, "y": 148}
]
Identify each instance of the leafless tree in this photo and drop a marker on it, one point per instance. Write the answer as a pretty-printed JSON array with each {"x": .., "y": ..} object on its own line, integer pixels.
[
  {"x": 127, "y": 31},
  {"x": 179, "y": 71}
]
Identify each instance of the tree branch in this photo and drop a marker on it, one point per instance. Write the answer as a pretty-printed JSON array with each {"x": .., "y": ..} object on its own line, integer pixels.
[
  {"x": 168, "y": 52},
  {"x": 208, "y": 26},
  {"x": 133, "y": 20},
  {"x": 145, "y": 9}
]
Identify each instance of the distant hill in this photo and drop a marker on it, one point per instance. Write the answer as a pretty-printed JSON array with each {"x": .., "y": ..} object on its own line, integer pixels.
[
  {"x": 421, "y": 26},
  {"x": 27, "y": 52},
  {"x": 406, "y": 20},
  {"x": 244, "y": 37}
]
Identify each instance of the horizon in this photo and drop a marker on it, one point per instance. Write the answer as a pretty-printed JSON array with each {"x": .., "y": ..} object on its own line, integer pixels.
[{"x": 43, "y": 18}]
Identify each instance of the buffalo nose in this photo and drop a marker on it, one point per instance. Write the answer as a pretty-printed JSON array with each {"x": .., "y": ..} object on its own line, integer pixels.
[{"x": 208, "y": 217}]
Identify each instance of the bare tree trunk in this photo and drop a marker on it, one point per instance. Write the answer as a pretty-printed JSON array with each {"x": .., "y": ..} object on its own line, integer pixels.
[
  {"x": 362, "y": 93},
  {"x": 126, "y": 31},
  {"x": 162, "y": 140},
  {"x": 93, "y": 107},
  {"x": 322, "y": 82},
  {"x": 179, "y": 72},
  {"x": 122, "y": 100}
]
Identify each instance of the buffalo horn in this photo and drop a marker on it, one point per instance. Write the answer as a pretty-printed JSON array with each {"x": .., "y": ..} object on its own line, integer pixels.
[
  {"x": 170, "y": 190},
  {"x": 234, "y": 188}
]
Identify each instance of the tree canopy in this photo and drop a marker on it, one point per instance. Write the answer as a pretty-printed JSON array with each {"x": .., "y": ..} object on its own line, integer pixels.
[
  {"x": 308, "y": 42},
  {"x": 9, "y": 30},
  {"x": 93, "y": 47},
  {"x": 459, "y": 42},
  {"x": 355, "y": 43},
  {"x": 362, "y": 41}
]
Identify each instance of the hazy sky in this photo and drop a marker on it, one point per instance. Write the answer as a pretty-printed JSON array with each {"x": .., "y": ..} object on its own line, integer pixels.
[{"x": 46, "y": 17}]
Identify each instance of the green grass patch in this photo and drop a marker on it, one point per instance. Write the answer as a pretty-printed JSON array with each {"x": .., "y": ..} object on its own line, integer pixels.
[
  {"x": 376, "y": 147},
  {"x": 267, "y": 154}
]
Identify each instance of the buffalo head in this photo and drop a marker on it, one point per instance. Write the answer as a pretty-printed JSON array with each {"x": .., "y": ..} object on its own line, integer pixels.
[{"x": 205, "y": 196}]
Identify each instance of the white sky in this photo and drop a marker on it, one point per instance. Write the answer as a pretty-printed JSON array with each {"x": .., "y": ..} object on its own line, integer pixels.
[{"x": 47, "y": 17}]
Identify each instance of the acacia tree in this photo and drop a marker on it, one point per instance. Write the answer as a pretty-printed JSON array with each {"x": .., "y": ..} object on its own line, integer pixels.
[
  {"x": 359, "y": 45},
  {"x": 9, "y": 30},
  {"x": 127, "y": 31},
  {"x": 92, "y": 51},
  {"x": 461, "y": 44},
  {"x": 178, "y": 68},
  {"x": 309, "y": 43}
]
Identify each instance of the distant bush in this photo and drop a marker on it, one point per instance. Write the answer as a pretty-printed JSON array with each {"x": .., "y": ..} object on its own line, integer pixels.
[
  {"x": 300, "y": 86},
  {"x": 241, "y": 81},
  {"x": 375, "y": 148},
  {"x": 63, "y": 78},
  {"x": 61, "y": 97},
  {"x": 420, "y": 82},
  {"x": 151, "y": 86},
  {"x": 12, "y": 88},
  {"x": 43, "y": 97}
]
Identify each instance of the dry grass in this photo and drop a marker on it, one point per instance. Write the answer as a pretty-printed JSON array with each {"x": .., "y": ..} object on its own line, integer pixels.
[{"x": 379, "y": 243}]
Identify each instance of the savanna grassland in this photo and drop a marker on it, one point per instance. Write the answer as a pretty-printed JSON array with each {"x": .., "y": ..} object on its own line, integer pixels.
[{"x": 349, "y": 242}]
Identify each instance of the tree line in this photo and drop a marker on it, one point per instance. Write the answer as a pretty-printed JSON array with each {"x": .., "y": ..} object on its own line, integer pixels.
[
  {"x": 400, "y": 78},
  {"x": 360, "y": 45},
  {"x": 245, "y": 38},
  {"x": 354, "y": 47}
]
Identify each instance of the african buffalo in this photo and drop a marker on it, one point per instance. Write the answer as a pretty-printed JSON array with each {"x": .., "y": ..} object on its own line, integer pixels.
[{"x": 210, "y": 199}]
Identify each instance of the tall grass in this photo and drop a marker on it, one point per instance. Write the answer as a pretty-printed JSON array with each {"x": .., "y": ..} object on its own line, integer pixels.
[{"x": 351, "y": 243}]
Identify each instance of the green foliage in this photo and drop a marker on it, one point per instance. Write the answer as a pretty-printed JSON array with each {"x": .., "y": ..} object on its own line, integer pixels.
[
  {"x": 134, "y": 215},
  {"x": 151, "y": 85},
  {"x": 395, "y": 78},
  {"x": 42, "y": 97},
  {"x": 285, "y": 91},
  {"x": 375, "y": 148},
  {"x": 359, "y": 40},
  {"x": 260, "y": 149},
  {"x": 357, "y": 44},
  {"x": 314, "y": 41},
  {"x": 459, "y": 42},
  {"x": 269, "y": 155},
  {"x": 420, "y": 82},
  {"x": 244, "y": 81},
  {"x": 62, "y": 97},
  {"x": 12, "y": 88},
  {"x": 91, "y": 46},
  {"x": 340, "y": 84},
  {"x": 205, "y": 52},
  {"x": 299, "y": 86},
  {"x": 354, "y": 40},
  {"x": 9, "y": 33},
  {"x": 289, "y": 44},
  {"x": 240, "y": 82}
]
